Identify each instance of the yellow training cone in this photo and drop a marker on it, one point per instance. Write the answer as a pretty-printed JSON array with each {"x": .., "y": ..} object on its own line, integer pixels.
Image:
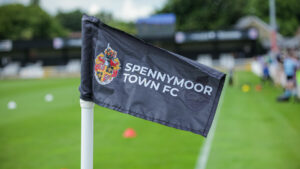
[{"x": 245, "y": 88}]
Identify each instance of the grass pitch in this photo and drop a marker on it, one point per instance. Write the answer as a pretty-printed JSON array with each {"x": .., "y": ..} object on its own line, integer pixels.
[
  {"x": 253, "y": 131},
  {"x": 46, "y": 135}
]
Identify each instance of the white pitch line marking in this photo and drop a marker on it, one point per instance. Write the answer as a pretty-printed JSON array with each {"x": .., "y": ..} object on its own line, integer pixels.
[{"x": 205, "y": 149}]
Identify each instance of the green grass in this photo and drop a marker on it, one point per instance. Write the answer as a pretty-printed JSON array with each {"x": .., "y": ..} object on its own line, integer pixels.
[
  {"x": 42, "y": 135},
  {"x": 253, "y": 131}
]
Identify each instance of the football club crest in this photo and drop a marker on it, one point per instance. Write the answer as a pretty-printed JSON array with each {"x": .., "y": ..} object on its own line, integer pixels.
[{"x": 107, "y": 66}]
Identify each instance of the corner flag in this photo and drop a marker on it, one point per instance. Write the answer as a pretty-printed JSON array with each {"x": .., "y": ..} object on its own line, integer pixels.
[{"x": 123, "y": 73}]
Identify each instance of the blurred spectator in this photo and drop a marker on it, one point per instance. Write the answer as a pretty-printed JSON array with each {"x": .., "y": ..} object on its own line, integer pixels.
[
  {"x": 278, "y": 74},
  {"x": 298, "y": 77},
  {"x": 298, "y": 84},
  {"x": 290, "y": 65},
  {"x": 265, "y": 66}
]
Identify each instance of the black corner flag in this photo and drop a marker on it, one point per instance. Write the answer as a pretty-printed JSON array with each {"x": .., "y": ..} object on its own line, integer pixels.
[{"x": 123, "y": 73}]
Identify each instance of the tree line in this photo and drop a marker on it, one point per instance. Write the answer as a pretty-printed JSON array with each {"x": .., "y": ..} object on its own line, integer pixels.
[
  {"x": 223, "y": 14},
  {"x": 18, "y": 21}
]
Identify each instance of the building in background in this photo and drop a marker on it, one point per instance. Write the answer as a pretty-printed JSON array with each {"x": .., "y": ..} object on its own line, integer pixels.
[{"x": 248, "y": 38}]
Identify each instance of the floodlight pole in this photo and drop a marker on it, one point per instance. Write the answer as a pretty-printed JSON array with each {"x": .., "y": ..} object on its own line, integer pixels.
[
  {"x": 273, "y": 25},
  {"x": 87, "y": 134}
]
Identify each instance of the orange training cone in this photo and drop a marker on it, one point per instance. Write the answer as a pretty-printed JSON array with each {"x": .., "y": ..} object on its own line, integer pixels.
[
  {"x": 258, "y": 88},
  {"x": 129, "y": 133}
]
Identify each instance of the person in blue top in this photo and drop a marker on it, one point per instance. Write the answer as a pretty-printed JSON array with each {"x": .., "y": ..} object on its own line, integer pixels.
[{"x": 289, "y": 66}]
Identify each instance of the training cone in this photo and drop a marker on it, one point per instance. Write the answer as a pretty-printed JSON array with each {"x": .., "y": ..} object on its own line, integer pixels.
[
  {"x": 129, "y": 133},
  {"x": 258, "y": 88},
  {"x": 245, "y": 88}
]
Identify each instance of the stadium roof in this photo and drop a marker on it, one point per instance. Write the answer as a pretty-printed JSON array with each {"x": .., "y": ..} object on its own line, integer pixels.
[
  {"x": 168, "y": 18},
  {"x": 263, "y": 28}
]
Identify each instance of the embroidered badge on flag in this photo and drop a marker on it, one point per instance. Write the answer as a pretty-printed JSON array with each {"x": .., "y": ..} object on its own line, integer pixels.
[{"x": 107, "y": 66}]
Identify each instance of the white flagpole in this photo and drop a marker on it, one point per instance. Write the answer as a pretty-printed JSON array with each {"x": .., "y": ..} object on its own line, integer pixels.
[{"x": 87, "y": 134}]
